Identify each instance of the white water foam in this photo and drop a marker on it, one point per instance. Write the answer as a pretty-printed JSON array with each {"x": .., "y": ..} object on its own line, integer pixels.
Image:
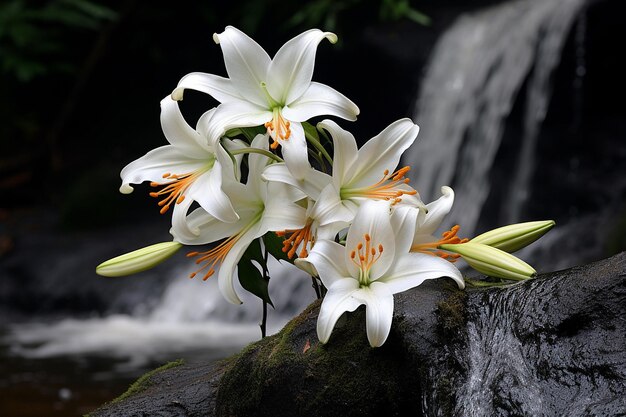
[{"x": 191, "y": 315}]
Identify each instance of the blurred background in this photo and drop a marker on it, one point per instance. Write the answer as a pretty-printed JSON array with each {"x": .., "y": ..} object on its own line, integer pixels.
[{"x": 521, "y": 109}]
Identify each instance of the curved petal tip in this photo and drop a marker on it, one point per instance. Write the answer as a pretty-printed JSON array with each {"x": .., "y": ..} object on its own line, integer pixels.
[{"x": 126, "y": 189}]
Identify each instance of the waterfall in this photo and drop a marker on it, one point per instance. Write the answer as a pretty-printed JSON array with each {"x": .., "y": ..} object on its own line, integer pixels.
[
  {"x": 143, "y": 323},
  {"x": 475, "y": 75}
]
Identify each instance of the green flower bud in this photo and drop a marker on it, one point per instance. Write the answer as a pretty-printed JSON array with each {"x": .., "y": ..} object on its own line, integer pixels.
[
  {"x": 491, "y": 261},
  {"x": 138, "y": 260},
  {"x": 515, "y": 236}
]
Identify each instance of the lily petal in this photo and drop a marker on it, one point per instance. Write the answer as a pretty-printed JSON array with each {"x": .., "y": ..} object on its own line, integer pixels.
[
  {"x": 382, "y": 152},
  {"x": 205, "y": 228},
  {"x": 234, "y": 114},
  {"x": 178, "y": 132},
  {"x": 179, "y": 221},
  {"x": 153, "y": 165},
  {"x": 291, "y": 69},
  {"x": 295, "y": 152},
  {"x": 246, "y": 63},
  {"x": 337, "y": 300},
  {"x": 436, "y": 212},
  {"x": 312, "y": 183},
  {"x": 327, "y": 257},
  {"x": 345, "y": 151},
  {"x": 378, "y": 301},
  {"x": 226, "y": 274},
  {"x": 280, "y": 214},
  {"x": 373, "y": 219},
  {"x": 411, "y": 269},
  {"x": 320, "y": 99},
  {"x": 329, "y": 208},
  {"x": 207, "y": 191},
  {"x": 403, "y": 219},
  {"x": 220, "y": 88}
]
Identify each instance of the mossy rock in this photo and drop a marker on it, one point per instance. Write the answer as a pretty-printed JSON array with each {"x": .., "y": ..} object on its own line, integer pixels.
[{"x": 568, "y": 328}]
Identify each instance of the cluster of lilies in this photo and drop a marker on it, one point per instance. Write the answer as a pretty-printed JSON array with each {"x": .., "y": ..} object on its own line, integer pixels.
[{"x": 254, "y": 171}]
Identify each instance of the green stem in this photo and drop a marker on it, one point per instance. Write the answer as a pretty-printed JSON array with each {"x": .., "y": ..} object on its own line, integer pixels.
[
  {"x": 259, "y": 151},
  {"x": 316, "y": 287},
  {"x": 266, "y": 277},
  {"x": 313, "y": 140}
]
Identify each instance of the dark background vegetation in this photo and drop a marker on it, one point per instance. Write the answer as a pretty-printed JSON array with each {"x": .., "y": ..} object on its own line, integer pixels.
[{"x": 81, "y": 83}]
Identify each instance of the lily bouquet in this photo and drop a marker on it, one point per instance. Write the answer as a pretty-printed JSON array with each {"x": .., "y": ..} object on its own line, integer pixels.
[{"x": 254, "y": 178}]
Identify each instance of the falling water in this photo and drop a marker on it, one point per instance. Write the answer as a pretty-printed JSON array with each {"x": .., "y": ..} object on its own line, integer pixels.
[
  {"x": 150, "y": 316},
  {"x": 475, "y": 75}
]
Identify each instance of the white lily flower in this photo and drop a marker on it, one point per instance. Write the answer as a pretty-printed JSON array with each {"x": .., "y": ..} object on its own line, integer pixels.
[
  {"x": 262, "y": 207},
  {"x": 277, "y": 93},
  {"x": 374, "y": 265},
  {"x": 188, "y": 169},
  {"x": 368, "y": 173}
]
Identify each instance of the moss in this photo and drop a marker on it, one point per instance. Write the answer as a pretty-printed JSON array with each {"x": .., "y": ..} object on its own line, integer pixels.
[
  {"x": 143, "y": 382},
  {"x": 451, "y": 313},
  {"x": 315, "y": 379}
]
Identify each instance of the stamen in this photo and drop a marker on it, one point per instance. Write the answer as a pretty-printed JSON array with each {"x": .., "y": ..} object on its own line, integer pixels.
[
  {"x": 387, "y": 188},
  {"x": 213, "y": 257},
  {"x": 448, "y": 237},
  {"x": 174, "y": 190},
  {"x": 368, "y": 255},
  {"x": 298, "y": 237},
  {"x": 278, "y": 128}
]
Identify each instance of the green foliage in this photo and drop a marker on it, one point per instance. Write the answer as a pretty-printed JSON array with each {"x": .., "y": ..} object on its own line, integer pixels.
[
  {"x": 274, "y": 245},
  {"x": 32, "y": 38},
  {"x": 327, "y": 14},
  {"x": 250, "y": 278}
]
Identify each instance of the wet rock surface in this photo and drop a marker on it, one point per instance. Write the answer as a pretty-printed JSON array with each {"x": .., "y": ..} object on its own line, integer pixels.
[{"x": 555, "y": 345}]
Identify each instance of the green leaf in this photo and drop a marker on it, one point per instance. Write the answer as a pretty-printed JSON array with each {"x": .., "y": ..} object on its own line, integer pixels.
[
  {"x": 252, "y": 280},
  {"x": 274, "y": 245},
  {"x": 311, "y": 130},
  {"x": 254, "y": 252}
]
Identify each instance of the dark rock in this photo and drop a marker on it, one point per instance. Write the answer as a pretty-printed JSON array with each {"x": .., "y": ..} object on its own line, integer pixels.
[{"x": 555, "y": 345}]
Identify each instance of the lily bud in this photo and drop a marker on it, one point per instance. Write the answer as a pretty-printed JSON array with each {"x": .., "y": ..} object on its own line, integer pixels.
[
  {"x": 491, "y": 261},
  {"x": 515, "y": 236},
  {"x": 138, "y": 260}
]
